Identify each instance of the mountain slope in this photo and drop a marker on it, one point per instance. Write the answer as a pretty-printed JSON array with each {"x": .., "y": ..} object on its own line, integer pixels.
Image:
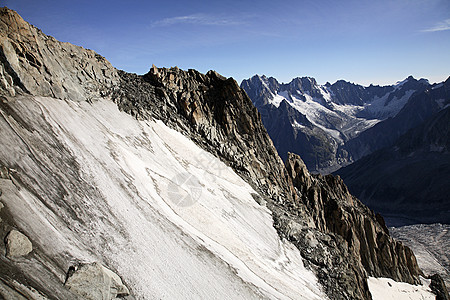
[
  {"x": 418, "y": 109},
  {"x": 329, "y": 115},
  {"x": 136, "y": 191},
  {"x": 120, "y": 199},
  {"x": 410, "y": 179}
]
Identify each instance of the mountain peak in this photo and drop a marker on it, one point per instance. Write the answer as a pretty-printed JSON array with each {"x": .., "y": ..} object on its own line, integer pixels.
[
  {"x": 11, "y": 21},
  {"x": 38, "y": 64}
]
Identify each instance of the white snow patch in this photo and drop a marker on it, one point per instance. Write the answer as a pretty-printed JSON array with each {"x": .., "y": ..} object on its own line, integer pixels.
[
  {"x": 348, "y": 109},
  {"x": 264, "y": 82},
  {"x": 388, "y": 289},
  {"x": 379, "y": 109},
  {"x": 276, "y": 100},
  {"x": 399, "y": 84},
  {"x": 314, "y": 112},
  {"x": 326, "y": 94},
  {"x": 295, "y": 124}
]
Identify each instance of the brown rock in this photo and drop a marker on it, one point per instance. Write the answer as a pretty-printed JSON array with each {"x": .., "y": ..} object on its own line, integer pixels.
[
  {"x": 17, "y": 244},
  {"x": 32, "y": 62},
  {"x": 95, "y": 282}
]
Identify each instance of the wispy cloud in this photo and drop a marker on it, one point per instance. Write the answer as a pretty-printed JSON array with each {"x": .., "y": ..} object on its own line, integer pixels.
[
  {"x": 198, "y": 19},
  {"x": 441, "y": 26}
]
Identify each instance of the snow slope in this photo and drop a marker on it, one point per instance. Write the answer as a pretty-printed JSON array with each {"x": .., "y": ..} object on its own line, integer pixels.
[
  {"x": 388, "y": 289},
  {"x": 171, "y": 219}
]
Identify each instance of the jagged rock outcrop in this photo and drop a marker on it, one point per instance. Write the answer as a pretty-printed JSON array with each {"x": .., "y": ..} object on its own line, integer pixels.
[
  {"x": 362, "y": 236},
  {"x": 214, "y": 112},
  {"x": 438, "y": 287},
  {"x": 17, "y": 244},
  {"x": 94, "y": 282},
  {"x": 332, "y": 230}
]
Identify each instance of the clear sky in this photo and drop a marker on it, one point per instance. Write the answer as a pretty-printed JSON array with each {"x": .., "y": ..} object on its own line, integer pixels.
[{"x": 362, "y": 41}]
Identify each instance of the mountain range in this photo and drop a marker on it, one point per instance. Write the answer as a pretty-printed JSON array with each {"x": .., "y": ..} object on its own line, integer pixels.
[
  {"x": 167, "y": 185},
  {"x": 326, "y": 124}
]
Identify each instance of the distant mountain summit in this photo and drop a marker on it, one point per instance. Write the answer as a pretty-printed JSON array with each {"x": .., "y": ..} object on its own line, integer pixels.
[{"x": 326, "y": 116}]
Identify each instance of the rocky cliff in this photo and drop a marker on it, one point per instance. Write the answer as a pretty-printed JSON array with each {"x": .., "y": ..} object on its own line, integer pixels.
[
  {"x": 341, "y": 240},
  {"x": 360, "y": 234}
]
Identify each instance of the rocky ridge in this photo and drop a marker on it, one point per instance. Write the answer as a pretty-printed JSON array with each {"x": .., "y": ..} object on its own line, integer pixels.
[
  {"x": 342, "y": 241},
  {"x": 356, "y": 230},
  {"x": 348, "y": 240}
]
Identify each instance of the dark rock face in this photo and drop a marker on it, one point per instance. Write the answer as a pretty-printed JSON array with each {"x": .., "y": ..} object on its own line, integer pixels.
[
  {"x": 350, "y": 93},
  {"x": 342, "y": 240},
  {"x": 309, "y": 141},
  {"x": 257, "y": 91}
]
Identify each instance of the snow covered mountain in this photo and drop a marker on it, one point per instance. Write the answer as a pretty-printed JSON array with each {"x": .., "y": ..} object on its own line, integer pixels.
[
  {"x": 166, "y": 186},
  {"x": 327, "y": 116}
]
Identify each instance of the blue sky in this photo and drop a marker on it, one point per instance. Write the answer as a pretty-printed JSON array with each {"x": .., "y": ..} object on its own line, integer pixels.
[{"x": 377, "y": 41}]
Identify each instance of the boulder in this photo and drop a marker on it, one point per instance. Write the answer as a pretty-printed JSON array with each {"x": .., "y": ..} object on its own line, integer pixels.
[
  {"x": 4, "y": 173},
  {"x": 17, "y": 244},
  {"x": 94, "y": 281}
]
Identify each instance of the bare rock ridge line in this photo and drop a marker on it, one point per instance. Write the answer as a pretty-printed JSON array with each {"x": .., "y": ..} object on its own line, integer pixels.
[{"x": 341, "y": 239}]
